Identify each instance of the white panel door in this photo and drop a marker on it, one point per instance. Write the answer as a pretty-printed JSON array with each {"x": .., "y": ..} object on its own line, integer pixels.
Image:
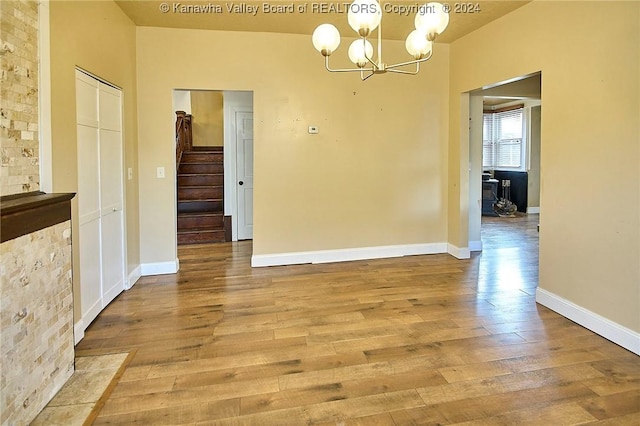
[
  {"x": 111, "y": 215},
  {"x": 110, "y": 103},
  {"x": 111, "y": 175},
  {"x": 86, "y": 100},
  {"x": 88, "y": 150},
  {"x": 100, "y": 194},
  {"x": 244, "y": 173},
  {"x": 90, "y": 271}
]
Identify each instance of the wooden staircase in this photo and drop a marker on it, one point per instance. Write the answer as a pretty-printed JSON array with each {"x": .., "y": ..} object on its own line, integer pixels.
[{"x": 200, "y": 196}]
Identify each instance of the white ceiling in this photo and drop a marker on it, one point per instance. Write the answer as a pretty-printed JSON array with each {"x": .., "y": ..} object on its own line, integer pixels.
[{"x": 396, "y": 25}]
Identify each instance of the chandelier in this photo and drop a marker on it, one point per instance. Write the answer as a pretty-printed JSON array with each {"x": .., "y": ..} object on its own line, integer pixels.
[{"x": 364, "y": 16}]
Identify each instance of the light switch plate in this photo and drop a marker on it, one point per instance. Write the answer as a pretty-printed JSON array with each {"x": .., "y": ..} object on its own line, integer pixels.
[
  {"x": 313, "y": 130},
  {"x": 160, "y": 172},
  {"x": 129, "y": 173}
]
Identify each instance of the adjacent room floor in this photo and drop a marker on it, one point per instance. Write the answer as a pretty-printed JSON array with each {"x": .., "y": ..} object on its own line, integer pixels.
[{"x": 413, "y": 340}]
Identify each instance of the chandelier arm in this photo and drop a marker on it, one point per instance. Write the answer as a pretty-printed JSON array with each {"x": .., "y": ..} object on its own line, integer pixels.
[
  {"x": 364, "y": 49},
  {"x": 417, "y": 61},
  {"x": 363, "y": 77},
  {"x": 326, "y": 65},
  {"x": 376, "y": 66},
  {"x": 405, "y": 72}
]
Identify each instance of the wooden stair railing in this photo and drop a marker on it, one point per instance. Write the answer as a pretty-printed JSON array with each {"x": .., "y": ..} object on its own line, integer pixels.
[{"x": 183, "y": 135}]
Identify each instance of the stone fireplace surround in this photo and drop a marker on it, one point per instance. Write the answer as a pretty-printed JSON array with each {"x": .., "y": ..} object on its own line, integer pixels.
[{"x": 36, "y": 302}]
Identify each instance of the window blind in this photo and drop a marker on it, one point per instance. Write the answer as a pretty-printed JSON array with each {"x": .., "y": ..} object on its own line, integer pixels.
[{"x": 502, "y": 139}]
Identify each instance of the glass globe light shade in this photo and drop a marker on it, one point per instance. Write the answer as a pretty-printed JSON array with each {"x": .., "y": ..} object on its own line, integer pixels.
[
  {"x": 326, "y": 39},
  {"x": 417, "y": 44},
  {"x": 432, "y": 19},
  {"x": 364, "y": 16},
  {"x": 359, "y": 51}
]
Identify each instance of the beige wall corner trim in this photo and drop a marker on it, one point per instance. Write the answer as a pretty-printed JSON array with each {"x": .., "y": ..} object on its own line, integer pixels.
[
  {"x": 134, "y": 276},
  {"x": 608, "y": 329},
  {"x": 159, "y": 268},
  {"x": 458, "y": 252},
  {"x": 78, "y": 331},
  {"x": 44, "y": 98},
  {"x": 346, "y": 255}
]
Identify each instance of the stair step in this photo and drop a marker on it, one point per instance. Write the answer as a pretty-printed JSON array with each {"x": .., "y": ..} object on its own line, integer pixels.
[
  {"x": 200, "y": 221},
  {"x": 200, "y": 237},
  {"x": 207, "y": 148},
  {"x": 200, "y": 168},
  {"x": 200, "y": 206},
  {"x": 202, "y": 157},
  {"x": 192, "y": 193},
  {"x": 200, "y": 194},
  {"x": 212, "y": 179}
]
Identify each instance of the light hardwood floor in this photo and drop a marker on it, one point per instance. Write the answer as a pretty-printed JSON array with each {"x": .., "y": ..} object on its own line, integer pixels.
[{"x": 414, "y": 340}]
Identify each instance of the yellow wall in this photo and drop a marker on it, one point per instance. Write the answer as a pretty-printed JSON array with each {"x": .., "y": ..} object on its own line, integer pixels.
[
  {"x": 588, "y": 53},
  {"x": 99, "y": 38},
  {"x": 375, "y": 175},
  {"x": 533, "y": 179},
  {"x": 208, "y": 118}
]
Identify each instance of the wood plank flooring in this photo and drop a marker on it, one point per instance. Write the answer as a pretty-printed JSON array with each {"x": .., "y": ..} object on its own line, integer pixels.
[{"x": 413, "y": 340}]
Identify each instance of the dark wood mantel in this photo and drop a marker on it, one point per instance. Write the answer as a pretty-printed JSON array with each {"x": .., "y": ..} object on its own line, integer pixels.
[{"x": 25, "y": 213}]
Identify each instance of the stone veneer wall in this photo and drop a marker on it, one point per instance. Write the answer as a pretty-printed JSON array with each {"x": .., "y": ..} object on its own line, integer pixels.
[
  {"x": 19, "y": 146},
  {"x": 36, "y": 321},
  {"x": 36, "y": 302}
]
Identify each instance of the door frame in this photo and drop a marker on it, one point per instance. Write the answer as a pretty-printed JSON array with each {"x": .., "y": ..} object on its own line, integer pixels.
[{"x": 471, "y": 113}]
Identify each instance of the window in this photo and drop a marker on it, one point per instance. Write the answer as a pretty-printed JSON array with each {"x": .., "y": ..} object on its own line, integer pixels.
[{"x": 503, "y": 140}]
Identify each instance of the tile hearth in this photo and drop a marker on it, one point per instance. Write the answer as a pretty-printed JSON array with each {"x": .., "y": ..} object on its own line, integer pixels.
[{"x": 78, "y": 402}]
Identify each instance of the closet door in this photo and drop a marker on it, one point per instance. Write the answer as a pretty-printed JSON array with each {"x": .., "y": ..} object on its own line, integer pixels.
[
  {"x": 100, "y": 194},
  {"x": 111, "y": 174},
  {"x": 88, "y": 196}
]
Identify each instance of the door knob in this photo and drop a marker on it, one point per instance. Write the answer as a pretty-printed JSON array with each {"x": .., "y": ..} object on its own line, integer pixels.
[{"x": 241, "y": 183}]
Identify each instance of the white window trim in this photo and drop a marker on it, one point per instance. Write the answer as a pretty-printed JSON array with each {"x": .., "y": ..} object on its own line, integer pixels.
[{"x": 524, "y": 146}]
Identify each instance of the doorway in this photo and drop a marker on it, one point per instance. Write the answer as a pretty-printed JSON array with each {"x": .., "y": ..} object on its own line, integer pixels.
[
  {"x": 504, "y": 177},
  {"x": 221, "y": 121}
]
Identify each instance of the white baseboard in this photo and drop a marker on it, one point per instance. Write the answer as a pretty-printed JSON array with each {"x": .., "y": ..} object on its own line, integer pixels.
[
  {"x": 475, "y": 246},
  {"x": 533, "y": 210},
  {"x": 111, "y": 294},
  {"x": 79, "y": 327},
  {"x": 458, "y": 252},
  {"x": 90, "y": 314},
  {"x": 346, "y": 255},
  {"x": 159, "y": 268},
  {"x": 78, "y": 332},
  {"x": 133, "y": 277},
  {"x": 608, "y": 329}
]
